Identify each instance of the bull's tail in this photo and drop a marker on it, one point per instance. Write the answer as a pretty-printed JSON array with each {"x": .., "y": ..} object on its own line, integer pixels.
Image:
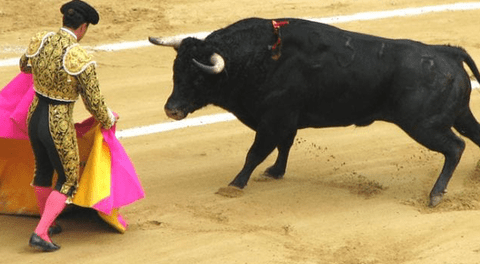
[
  {"x": 464, "y": 57},
  {"x": 471, "y": 64}
]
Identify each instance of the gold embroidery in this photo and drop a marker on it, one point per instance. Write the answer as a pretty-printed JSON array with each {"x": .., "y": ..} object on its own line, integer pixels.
[
  {"x": 37, "y": 42},
  {"x": 64, "y": 137},
  {"x": 62, "y": 70},
  {"x": 32, "y": 108},
  {"x": 76, "y": 60},
  {"x": 92, "y": 98},
  {"x": 50, "y": 79}
]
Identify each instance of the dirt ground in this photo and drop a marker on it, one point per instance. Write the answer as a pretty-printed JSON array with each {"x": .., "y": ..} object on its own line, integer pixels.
[{"x": 350, "y": 195}]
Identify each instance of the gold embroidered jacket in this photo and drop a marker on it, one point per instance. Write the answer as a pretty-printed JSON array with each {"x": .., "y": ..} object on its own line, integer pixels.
[{"x": 62, "y": 70}]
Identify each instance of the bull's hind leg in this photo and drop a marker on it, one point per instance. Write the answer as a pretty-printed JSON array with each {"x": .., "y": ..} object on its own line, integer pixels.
[
  {"x": 447, "y": 143},
  {"x": 277, "y": 170},
  {"x": 467, "y": 125}
]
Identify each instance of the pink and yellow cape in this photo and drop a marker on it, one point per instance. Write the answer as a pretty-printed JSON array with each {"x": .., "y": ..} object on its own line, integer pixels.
[{"x": 108, "y": 180}]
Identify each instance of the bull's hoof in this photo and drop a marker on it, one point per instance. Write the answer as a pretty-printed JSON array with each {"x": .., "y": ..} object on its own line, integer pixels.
[
  {"x": 435, "y": 200},
  {"x": 230, "y": 192},
  {"x": 263, "y": 178},
  {"x": 274, "y": 173},
  {"x": 266, "y": 177}
]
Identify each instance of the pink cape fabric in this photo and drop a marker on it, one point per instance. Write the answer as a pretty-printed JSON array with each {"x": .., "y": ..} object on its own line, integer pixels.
[
  {"x": 125, "y": 187},
  {"x": 15, "y": 99}
]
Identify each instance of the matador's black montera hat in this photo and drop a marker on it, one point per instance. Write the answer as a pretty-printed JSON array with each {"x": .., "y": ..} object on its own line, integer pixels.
[{"x": 86, "y": 10}]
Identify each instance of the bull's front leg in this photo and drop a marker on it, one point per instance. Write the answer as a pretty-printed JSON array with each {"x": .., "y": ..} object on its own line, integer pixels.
[
  {"x": 263, "y": 145},
  {"x": 278, "y": 128}
]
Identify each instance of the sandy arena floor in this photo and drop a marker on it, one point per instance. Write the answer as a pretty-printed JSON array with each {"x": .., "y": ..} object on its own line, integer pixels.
[{"x": 350, "y": 195}]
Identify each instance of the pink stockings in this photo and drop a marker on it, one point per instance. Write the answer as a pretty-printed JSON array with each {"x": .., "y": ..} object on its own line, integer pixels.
[
  {"x": 51, "y": 203},
  {"x": 42, "y": 194}
]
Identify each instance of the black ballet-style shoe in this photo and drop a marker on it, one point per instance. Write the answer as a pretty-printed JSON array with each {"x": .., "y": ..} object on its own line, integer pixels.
[
  {"x": 54, "y": 229},
  {"x": 38, "y": 243}
]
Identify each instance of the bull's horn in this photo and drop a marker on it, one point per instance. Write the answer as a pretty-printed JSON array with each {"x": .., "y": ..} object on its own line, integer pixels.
[
  {"x": 217, "y": 61},
  {"x": 175, "y": 41},
  {"x": 167, "y": 41}
]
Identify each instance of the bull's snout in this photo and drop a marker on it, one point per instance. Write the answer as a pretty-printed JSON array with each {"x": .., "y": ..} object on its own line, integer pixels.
[{"x": 174, "y": 112}]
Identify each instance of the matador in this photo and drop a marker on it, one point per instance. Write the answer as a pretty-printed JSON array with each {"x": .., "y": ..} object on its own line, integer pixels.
[{"x": 62, "y": 71}]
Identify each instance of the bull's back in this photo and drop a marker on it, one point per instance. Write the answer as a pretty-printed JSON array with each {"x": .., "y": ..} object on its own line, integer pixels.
[
  {"x": 344, "y": 77},
  {"x": 352, "y": 78},
  {"x": 332, "y": 77}
]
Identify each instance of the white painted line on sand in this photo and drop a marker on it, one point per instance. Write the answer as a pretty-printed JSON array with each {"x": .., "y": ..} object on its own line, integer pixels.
[
  {"x": 141, "y": 43},
  {"x": 163, "y": 127},
  {"x": 414, "y": 11},
  {"x": 9, "y": 62}
]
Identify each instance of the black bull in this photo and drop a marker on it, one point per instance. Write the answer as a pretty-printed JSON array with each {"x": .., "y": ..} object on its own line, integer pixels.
[{"x": 280, "y": 77}]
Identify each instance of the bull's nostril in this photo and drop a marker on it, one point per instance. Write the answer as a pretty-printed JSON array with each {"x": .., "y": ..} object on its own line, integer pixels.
[{"x": 175, "y": 114}]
